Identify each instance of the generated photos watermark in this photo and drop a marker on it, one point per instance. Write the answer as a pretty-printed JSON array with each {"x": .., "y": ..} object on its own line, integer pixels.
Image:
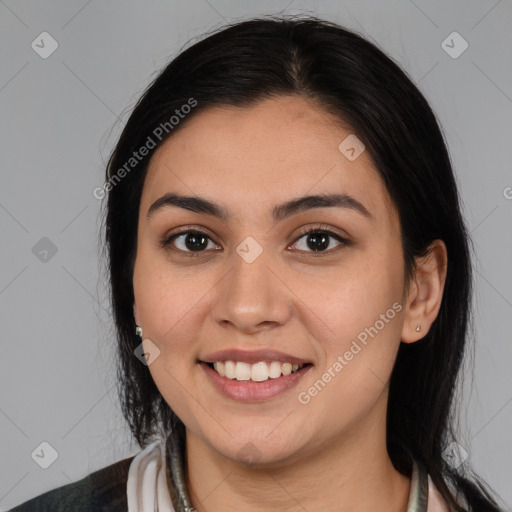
[
  {"x": 157, "y": 134},
  {"x": 343, "y": 360}
]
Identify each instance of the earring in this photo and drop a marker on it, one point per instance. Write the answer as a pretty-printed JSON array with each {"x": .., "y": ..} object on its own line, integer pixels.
[
  {"x": 138, "y": 331},
  {"x": 418, "y": 329}
]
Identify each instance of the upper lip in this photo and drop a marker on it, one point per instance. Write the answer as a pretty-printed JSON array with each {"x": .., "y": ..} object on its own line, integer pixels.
[{"x": 252, "y": 356}]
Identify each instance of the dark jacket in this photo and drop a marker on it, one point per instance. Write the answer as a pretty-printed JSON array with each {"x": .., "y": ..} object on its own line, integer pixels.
[{"x": 101, "y": 491}]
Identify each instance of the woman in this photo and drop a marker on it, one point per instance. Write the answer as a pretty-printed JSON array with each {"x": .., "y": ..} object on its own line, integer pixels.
[{"x": 291, "y": 284}]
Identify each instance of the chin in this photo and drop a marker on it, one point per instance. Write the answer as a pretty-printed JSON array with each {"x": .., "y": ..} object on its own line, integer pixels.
[{"x": 260, "y": 450}]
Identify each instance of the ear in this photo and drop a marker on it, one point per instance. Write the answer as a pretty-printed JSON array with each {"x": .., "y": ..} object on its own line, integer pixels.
[
  {"x": 135, "y": 314},
  {"x": 425, "y": 292}
]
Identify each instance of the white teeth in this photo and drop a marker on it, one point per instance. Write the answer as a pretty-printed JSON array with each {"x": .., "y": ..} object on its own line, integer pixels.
[
  {"x": 220, "y": 368},
  {"x": 258, "y": 372},
  {"x": 275, "y": 370},
  {"x": 243, "y": 371},
  {"x": 286, "y": 369},
  {"x": 230, "y": 367}
]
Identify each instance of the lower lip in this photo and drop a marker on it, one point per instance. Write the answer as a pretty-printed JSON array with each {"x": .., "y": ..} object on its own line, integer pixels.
[{"x": 249, "y": 391}]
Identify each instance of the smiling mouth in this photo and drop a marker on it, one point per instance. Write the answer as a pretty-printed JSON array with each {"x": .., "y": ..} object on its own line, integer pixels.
[{"x": 258, "y": 372}]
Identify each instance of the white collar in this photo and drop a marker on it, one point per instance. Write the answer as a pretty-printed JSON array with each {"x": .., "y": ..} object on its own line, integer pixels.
[{"x": 147, "y": 488}]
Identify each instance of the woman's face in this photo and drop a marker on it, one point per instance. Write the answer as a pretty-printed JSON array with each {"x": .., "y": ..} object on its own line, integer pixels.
[{"x": 251, "y": 288}]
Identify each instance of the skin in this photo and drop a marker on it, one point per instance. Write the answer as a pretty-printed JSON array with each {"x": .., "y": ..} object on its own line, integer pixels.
[{"x": 311, "y": 305}]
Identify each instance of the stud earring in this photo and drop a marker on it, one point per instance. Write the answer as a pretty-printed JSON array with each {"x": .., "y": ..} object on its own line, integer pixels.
[
  {"x": 138, "y": 331},
  {"x": 418, "y": 329}
]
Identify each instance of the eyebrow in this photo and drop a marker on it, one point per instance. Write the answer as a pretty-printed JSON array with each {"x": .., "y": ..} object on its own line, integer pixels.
[{"x": 279, "y": 212}]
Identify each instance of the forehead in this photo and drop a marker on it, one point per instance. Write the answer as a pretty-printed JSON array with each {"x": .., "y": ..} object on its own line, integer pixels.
[{"x": 279, "y": 148}]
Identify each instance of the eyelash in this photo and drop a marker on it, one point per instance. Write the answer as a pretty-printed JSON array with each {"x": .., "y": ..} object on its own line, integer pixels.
[{"x": 344, "y": 242}]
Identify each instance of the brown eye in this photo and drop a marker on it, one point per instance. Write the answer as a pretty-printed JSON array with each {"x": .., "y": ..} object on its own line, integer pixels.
[
  {"x": 318, "y": 240},
  {"x": 190, "y": 241}
]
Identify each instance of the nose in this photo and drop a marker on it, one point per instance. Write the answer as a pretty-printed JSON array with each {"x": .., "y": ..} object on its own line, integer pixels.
[{"x": 252, "y": 297}]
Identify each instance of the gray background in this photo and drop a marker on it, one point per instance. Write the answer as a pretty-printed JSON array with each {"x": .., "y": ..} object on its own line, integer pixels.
[{"x": 60, "y": 118}]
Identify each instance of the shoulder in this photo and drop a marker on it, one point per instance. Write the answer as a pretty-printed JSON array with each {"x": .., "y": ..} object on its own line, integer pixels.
[{"x": 103, "y": 490}]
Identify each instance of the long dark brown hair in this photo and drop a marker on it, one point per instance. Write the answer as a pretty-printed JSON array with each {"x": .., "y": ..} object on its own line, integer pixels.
[{"x": 351, "y": 78}]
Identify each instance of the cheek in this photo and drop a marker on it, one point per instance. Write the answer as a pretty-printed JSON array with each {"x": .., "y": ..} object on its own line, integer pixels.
[
  {"x": 362, "y": 310},
  {"x": 163, "y": 295},
  {"x": 354, "y": 297},
  {"x": 359, "y": 349},
  {"x": 168, "y": 303}
]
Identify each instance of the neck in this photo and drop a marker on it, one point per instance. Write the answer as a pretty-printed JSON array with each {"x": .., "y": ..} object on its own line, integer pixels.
[{"x": 350, "y": 473}]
